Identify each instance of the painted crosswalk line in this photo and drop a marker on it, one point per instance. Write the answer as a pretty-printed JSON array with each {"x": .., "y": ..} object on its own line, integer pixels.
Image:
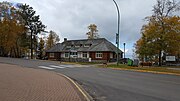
[
  {"x": 68, "y": 66},
  {"x": 45, "y": 67},
  {"x": 54, "y": 66}
]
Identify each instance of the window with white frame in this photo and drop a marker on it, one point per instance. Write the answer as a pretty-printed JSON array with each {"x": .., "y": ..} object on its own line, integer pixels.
[
  {"x": 66, "y": 54},
  {"x": 86, "y": 45},
  {"x": 84, "y": 55},
  {"x": 77, "y": 46},
  {"x": 73, "y": 54},
  {"x": 51, "y": 55},
  {"x": 68, "y": 46},
  {"x": 99, "y": 54}
]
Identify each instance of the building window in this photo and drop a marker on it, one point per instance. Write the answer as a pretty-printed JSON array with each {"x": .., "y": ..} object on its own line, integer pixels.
[
  {"x": 51, "y": 55},
  {"x": 73, "y": 54},
  {"x": 99, "y": 54},
  {"x": 84, "y": 55},
  {"x": 66, "y": 54},
  {"x": 86, "y": 45},
  {"x": 77, "y": 46}
]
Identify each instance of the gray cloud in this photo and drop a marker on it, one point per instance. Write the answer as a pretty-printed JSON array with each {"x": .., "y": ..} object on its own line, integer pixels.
[{"x": 70, "y": 18}]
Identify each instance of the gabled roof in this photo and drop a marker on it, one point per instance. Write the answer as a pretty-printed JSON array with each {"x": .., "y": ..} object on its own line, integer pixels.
[
  {"x": 56, "y": 48},
  {"x": 100, "y": 45}
]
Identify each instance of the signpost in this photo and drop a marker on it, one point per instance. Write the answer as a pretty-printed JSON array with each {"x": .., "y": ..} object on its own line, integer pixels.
[{"x": 170, "y": 58}]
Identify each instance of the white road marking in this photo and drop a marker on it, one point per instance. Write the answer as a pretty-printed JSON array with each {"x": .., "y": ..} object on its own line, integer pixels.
[
  {"x": 44, "y": 67},
  {"x": 68, "y": 66},
  {"x": 54, "y": 66}
]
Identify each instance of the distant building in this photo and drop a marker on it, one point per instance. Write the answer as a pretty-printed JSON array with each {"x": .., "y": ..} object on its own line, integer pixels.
[{"x": 86, "y": 50}]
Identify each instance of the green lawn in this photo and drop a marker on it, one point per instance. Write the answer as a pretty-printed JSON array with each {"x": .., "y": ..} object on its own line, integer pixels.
[
  {"x": 158, "y": 69},
  {"x": 82, "y": 63},
  {"x": 124, "y": 66},
  {"x": 88, "y": 63}
]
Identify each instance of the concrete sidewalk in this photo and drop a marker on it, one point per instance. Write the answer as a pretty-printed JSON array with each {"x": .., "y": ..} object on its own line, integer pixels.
[{"x": 26, "y": 84}]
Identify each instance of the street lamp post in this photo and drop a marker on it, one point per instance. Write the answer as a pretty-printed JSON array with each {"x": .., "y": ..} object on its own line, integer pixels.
[
  {"x": 124, "y": 53},
  {"x": 117, "y": 35},
  {"x": 124, "y": 49}
]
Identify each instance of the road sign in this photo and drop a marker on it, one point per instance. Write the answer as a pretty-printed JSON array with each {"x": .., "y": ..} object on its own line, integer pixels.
[{"x": 170, "y": 58}]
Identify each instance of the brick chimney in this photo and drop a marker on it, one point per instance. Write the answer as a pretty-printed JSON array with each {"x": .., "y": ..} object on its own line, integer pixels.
[{"x": 65, "y": 39}]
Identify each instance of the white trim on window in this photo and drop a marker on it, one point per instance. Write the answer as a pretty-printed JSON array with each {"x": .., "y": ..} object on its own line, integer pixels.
[
  {"x": 68, "y": 46},
  {"x": 66, "y": 54},
  {"x": 77, "y": 46},
  {"x": 86, "y": 45},
  {"x": 85, "y": 55},
  {"x": 99, "y": 55},
  {"x": 73, "y": 54}
]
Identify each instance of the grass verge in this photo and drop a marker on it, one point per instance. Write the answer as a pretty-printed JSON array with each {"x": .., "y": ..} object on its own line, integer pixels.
[
  {"x": 153, "y": 69},
  {"x": 82, "y": 63}
]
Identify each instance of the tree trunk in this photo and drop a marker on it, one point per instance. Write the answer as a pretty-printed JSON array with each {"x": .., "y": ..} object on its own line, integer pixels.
[
  {"x": 14, "y": 49},
  {"x": 17, "y": 52},
  {"x": 31, "y": 46},
  {"x": 1, "y": 51},
  {"x": 160, "y": 63},
  {"x": 17, "y": 49}
]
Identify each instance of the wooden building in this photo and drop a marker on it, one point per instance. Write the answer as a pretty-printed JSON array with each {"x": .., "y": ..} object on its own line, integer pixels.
[{"x": 86, "y": 50}]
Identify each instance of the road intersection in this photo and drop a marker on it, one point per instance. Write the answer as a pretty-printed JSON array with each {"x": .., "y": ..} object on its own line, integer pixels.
[{"x": 105, "y": 84}]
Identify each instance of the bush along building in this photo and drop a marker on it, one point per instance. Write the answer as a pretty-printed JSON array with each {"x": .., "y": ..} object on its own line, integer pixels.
[{"x": 85, "y": 50}]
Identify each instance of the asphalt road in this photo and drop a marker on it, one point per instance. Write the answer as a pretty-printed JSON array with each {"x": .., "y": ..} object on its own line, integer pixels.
[{"x": 113, "y": 85}]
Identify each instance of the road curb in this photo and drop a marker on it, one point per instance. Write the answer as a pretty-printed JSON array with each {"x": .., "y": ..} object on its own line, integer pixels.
[
  {"x": 82, "y": 91},
  {"x": 145, "y": 71}
]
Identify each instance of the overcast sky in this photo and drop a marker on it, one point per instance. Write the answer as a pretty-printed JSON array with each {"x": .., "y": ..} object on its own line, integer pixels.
[{"x": 70, "y": 18}]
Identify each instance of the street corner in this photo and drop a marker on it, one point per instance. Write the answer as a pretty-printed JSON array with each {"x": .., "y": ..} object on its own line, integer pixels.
[
  {"x": 85, "y": 96},
  {"x": 27, "y": 84}
]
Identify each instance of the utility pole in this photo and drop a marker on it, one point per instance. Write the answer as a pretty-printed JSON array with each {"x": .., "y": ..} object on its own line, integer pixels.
[
  {"x": 117, "y": 35},
  {"x": 124, "y": 49}
]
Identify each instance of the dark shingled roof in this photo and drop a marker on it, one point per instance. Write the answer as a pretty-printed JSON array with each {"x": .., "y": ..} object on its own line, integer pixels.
[
  {"x": 100, "y": 45},
  {"x": 56, "y": 48}
]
